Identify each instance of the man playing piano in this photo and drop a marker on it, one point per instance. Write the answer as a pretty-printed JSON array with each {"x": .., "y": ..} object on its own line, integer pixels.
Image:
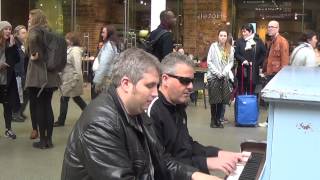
[{"x": 170, "y": 119}]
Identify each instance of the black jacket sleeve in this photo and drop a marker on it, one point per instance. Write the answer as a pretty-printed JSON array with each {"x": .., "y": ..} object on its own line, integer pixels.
[
  {"x": 12, "y": 55},
  {"x": 238, "y": 54},
  {"x": 262, "y": 53}
]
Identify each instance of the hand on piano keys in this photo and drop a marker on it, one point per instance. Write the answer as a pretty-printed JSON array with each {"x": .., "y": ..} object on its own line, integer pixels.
[
  {"x": 248, "y": 168},
  {"x": 225, "y": 162}
]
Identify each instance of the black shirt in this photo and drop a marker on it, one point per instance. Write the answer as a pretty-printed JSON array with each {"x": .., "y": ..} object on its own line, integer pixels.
[
  {"x": 164, "y": 45},
  {"x": 170, "y": 123}
]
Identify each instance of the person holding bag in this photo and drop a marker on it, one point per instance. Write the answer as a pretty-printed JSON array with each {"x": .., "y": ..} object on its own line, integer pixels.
[
  {"x": 72, "y": 79},
  {"x": 249, "y": 50},
  {"x": 220, "y": 61}
]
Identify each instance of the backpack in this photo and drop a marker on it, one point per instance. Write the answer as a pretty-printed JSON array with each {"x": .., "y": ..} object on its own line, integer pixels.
[
  {"x": 148, "y": 45},
  {"x": 56, "y": 51}
]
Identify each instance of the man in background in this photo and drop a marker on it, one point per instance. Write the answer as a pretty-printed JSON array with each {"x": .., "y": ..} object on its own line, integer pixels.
[
  {"x": 164, "y": 44},
  {"x": 277, "y": 54}
]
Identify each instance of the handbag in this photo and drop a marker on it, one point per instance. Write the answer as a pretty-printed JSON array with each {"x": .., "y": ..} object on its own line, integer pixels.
[{"x": 95, "y": 65}]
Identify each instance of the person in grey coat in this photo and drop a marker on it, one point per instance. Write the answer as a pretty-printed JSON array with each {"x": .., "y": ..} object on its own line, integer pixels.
[
  {"x": 40, "y": 82},
  {"x": 71, "y": 76}
]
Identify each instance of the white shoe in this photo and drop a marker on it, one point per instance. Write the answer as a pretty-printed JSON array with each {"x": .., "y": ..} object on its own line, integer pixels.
[{"x": 264, "y": 124}]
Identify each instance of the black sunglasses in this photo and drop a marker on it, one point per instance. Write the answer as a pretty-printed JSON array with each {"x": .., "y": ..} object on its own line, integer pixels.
[{"x": 183, "y": 80}]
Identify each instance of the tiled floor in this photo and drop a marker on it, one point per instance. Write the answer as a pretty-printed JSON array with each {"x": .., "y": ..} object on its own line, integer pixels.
[{"x": 19, "y": 161}]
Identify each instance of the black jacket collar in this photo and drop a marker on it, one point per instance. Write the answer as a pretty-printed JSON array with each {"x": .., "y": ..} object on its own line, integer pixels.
[{"x": 134, "y": 121}]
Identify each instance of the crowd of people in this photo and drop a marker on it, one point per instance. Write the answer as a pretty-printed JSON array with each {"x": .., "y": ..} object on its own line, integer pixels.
[{"x": 137, "y": 128}]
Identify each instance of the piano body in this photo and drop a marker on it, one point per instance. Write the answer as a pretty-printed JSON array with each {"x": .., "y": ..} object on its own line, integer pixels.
[{"x": 294, "y": 124}]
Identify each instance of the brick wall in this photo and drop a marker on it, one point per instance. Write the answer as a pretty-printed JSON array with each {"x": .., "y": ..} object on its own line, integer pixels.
[
  {"x": 93, "y": 14},
  {"x": 202, "y": 21}
]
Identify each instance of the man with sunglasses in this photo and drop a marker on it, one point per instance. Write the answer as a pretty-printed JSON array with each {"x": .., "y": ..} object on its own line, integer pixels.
[{"x": 170, "y": 119}]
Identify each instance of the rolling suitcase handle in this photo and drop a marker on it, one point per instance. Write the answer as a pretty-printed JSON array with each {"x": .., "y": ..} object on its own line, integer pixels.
[{"x": 242, "y": 79}]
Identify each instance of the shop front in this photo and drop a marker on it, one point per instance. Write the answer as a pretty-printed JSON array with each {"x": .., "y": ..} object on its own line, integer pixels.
[{"x": 198, "y": 21}]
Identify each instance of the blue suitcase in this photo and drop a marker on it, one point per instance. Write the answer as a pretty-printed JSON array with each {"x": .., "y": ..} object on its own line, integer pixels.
[
  {"x": 246, "y": 107},
  {"x": 246, "y": 110}
]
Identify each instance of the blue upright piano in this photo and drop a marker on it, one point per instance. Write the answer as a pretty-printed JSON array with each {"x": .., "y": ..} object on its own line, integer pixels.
[{"x": 293, "y": 140}]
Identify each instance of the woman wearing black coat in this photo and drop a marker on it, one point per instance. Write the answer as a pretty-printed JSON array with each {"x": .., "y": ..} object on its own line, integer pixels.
[
  {"x": 249, "y": 50},
  {"x": 9, "y": 56}
]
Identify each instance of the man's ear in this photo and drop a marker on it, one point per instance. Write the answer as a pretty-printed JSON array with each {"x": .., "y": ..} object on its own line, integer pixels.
[
  {"x": 164, "y": 79},
  {"x": 125, "y": 84}
]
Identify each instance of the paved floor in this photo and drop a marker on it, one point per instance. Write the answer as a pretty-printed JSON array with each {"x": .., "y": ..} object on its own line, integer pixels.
[{"x": 19, "y": 161}]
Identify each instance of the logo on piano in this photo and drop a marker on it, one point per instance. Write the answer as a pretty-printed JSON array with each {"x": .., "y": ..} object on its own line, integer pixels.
[{"x": 306, "y": 127}]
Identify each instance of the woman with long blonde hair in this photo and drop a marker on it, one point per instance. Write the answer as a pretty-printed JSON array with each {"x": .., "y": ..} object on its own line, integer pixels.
[
  {"x": 220, "y": 61},
  {"x": 40, "y": 82}
]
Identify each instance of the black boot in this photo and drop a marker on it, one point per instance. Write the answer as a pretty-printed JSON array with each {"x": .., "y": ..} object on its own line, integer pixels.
[
  {"x": 42, "y": 144},
  {"x": 49, "y": 142},
  {"x": 215, "y": 119}
]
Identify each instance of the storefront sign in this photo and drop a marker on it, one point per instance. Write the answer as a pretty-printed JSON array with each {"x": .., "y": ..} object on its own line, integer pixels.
[{"x": 209, "y": 15}]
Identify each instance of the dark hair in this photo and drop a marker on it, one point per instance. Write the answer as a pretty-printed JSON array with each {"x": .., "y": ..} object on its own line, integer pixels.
[
  {"x": 307, "y": 35},
  {"x": 112, "y": 35},
  {"x": 318, "y": 45},
  {"x": 74, "y": 38},
  {"x": 164, "y": 15},
  {"x": 248, "y": 27}
]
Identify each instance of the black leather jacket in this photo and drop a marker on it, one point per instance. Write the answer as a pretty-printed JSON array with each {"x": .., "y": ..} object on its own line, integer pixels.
[{"x": 108, "y": 144}]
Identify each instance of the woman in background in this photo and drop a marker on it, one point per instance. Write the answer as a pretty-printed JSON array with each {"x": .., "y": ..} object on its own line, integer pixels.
[
  {"x": 110, "y": 49},
  {"x": 220, "y": 61},
  {"x": 20, "y": 35},
  {"x": 40, "y": 82},
  {"x": 304, "y": 54},
  {"x": 9, "y": 56},
  {"x": 71, "y": 77},
  {"x": 249, "y": 51}
]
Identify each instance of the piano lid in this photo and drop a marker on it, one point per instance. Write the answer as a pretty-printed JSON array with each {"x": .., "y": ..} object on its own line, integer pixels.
[{"x": 294, "y": 83}]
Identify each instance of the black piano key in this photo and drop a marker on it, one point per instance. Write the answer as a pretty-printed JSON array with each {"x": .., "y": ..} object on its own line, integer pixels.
[{"x": 252, "y": 166}]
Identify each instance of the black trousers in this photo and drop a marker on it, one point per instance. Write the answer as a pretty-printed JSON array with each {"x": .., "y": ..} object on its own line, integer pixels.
[
  {"x": 7, "y": 109},
  {"x": 41, "y": 111},
  {"x": 64, "y": 101}
]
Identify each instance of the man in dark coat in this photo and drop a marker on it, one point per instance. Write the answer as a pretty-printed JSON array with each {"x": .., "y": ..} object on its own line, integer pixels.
[
  {"x": 114, "y": 139},
  {"x": 249, "y": 51},
  {"x": 164, "y": 45},
  {"x": 170, "y": 119}
]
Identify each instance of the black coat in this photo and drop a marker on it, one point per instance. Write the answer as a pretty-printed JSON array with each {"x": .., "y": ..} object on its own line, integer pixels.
[
  {"x": 256, "y": 56},
  {"x": 107, "y": 144},
  {"x": 171, "y": 128},
  {"x": 12, "y": 58},
  {"x": 164, "y": 45},
  {"x": 21, "y": 67}
]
